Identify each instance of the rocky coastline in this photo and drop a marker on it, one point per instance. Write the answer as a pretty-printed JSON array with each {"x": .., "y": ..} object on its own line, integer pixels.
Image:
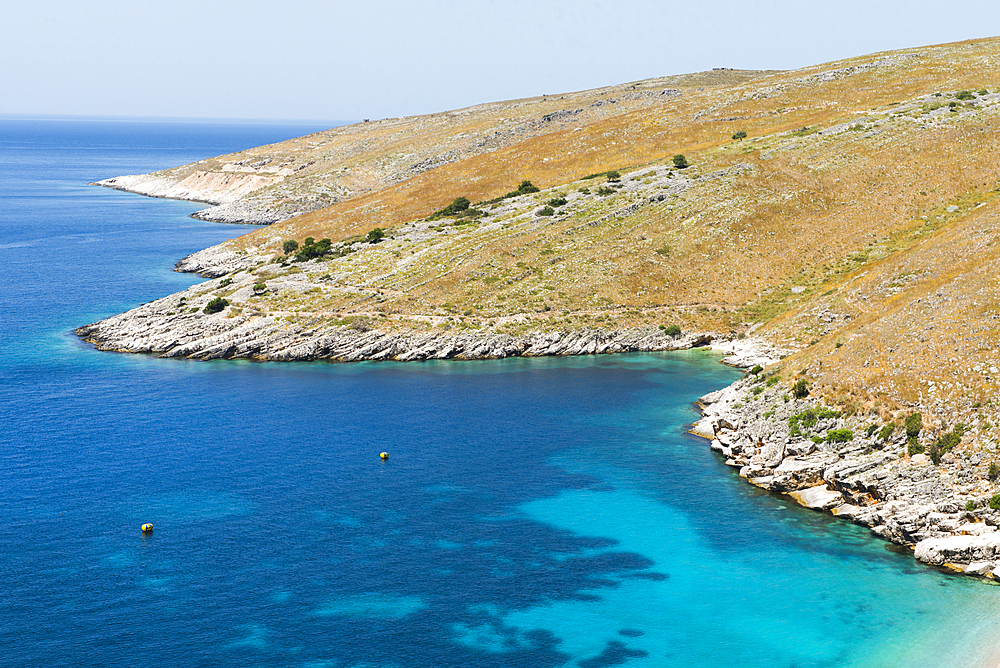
[
  {"x": 839, "y": 464},
  {"x": 271, "y": 338},
  {"x": 778, "y": 442}
]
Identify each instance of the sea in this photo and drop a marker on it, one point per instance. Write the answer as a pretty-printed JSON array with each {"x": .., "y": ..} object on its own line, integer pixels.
[{"x": 531, "y": 512}]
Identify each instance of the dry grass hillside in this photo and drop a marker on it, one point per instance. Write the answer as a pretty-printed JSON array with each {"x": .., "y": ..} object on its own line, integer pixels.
[
  {"x": 278, "y": 181},
  {"x": 856, "y": 221}
]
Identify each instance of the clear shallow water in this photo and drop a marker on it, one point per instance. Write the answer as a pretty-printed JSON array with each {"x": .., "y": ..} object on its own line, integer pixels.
[{"x": 543, "y": 512}]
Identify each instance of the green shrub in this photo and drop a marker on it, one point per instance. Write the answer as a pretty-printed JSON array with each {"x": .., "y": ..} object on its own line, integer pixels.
[
  {"x": 809, "y": 417},
  {"x": 557, "y": 201},
  {"x": 680, "y": 162},
  {"x": 886, "y": 431},
  {"x": 546, "y": 211},
  {"x": 312, "y": 249},
  {"x": 614, "y": 175},
  {"x": 757, "y": 369},
  {"x": 376, "y": 235},
  {"x": 995, "y": 502},
  {"x": 290, "y": 246},
  {"x": 671, "y": 330},
  {"x": 772, "y": 381},
  {"x": 740, "y": 135},
  {"x": 459, "y": 205},
  {"x": 258, "y": 288},
  {"x": 872, "y": 428},
  {"x": 228, "y": 280},
  {"x": 983, "y": 92},
  {"x": 216, "y": 305},
  {"x": 994, "y": 471},
  {"x": 946, "y": 442},
  {"x": 914, "y": 423},
  {"x": 800, "y": 390},
  {"x": 965, "y": 95},
  {"x": 604, "y": 190},
  {"x": 914, "y": 448},
  {"x": 839, "y": 435},
  {"x": 970, "y": 506}
]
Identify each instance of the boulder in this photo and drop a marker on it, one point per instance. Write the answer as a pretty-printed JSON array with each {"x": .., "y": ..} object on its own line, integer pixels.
[
  {"x": 819, "y": 497},
  {"x": 772, "y": 453},
  {"x": 980, "y": 567},
  {"x": 959, "y": 549}
]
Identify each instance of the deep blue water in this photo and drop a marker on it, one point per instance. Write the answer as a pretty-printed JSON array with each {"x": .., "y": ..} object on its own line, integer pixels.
[{"x": 535, "y": 513}]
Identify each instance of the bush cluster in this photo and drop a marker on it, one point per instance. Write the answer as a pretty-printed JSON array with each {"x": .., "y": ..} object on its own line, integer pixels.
[
  {"x": 375, "y": 235},
  {"x": 671, "y": 330},
  {"x": 809, "y": 417},
  {"x": 546, "y": 211},
  {"x": 839, "y": 435},
  {"x": 525, "y": 188},
  {"x": 914, "y": 423},
  {"x": 945, "y": 443},
  {"x": 312, "y": 249},
  {"x": 216, "y": 305},
  {"x": 800, "y": 390},
  {"x": 886, "y": 432},
  {"x": 458, "y": 207}
]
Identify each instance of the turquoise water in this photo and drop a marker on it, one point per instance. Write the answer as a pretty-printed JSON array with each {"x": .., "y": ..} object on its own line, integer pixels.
[{"x": 541, "y": 512}]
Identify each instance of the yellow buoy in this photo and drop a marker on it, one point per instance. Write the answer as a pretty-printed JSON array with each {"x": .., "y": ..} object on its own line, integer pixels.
[
  {"x": 384, "y": 455},
  {"x": 147, "y": 528}
]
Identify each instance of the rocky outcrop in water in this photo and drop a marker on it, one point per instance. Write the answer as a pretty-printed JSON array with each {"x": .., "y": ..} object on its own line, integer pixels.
[{"x": 793, "y": 447}]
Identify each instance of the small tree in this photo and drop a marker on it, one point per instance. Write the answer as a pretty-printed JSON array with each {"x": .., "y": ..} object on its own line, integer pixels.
[
  {"x": 740, "y": 135},
  {"x": 290, "y": 246},
  {"x": 914, "y": 423},
  {"x": 886, "y": 432},
  {"x": 800, "y": 390},
  {"x": 680, "y": 162},
  {"x": 377, "y": 234},
  {"x": 614, "y": 175},
  {"x": 216, "y": 305}
]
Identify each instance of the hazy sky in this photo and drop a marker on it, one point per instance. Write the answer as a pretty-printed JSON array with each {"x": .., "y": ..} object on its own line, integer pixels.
[{"x": 314, "y": 60}]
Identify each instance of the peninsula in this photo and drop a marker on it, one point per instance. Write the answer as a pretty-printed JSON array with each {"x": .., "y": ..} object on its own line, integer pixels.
[{"x": 833, "y": 227}]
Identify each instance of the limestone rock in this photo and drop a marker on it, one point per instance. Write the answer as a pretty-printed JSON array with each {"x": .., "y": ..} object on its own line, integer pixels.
[
  {"x": 819, "y": 497},
  {"x": 959, "y": 549}
]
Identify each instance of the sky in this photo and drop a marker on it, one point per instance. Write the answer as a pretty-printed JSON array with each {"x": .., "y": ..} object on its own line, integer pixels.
[{"x": 333, "y": 60}]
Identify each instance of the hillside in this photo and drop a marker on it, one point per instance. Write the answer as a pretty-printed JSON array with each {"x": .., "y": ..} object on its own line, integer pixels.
[{"x": 853, "y": 227}]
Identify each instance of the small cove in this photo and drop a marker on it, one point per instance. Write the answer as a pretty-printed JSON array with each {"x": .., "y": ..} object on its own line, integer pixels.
[{"x": 533, "y": 512}]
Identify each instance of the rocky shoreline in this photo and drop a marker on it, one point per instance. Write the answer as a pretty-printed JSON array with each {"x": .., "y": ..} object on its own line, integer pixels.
[
  {"x": 820, "y": 458},
  {"x": 270, "y": 338},
  {"x": 783, "y": 444}
]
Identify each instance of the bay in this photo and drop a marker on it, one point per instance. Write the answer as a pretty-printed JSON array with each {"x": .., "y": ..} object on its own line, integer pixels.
[{"x": 532, "y": 512}]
